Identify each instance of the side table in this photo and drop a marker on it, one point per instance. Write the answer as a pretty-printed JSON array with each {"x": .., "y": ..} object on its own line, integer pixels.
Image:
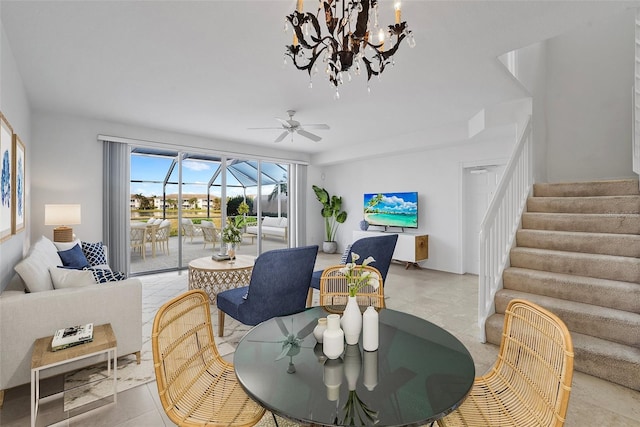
[
  {"x": 104, "y": 342},
  {"x": 214, "y": 277}
]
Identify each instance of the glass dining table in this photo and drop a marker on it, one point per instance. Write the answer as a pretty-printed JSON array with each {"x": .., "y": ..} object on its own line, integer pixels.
[{"x": 419, "y": 373}]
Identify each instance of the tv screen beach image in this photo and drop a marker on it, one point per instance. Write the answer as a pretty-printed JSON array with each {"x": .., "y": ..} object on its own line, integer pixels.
[{"x": 391, "y": 209}]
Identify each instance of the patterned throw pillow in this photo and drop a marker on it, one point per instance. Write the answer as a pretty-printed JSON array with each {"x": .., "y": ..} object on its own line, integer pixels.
[
  {"x": 94, "y": 253},
  {"x": 345, "y": 255},
  {"x": 103, "y": 275}
]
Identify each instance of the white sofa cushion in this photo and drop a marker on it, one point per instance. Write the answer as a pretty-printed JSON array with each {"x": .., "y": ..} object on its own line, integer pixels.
[
  {"x": 65, "y": 246},
  {"x": 66, "y": 278},
  {"x": 34, "y": 268},
  {"x": 269, "y": 221}
]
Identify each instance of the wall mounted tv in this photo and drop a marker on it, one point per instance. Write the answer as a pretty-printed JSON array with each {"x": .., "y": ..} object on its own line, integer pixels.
[{"x": 392, "y": 209}]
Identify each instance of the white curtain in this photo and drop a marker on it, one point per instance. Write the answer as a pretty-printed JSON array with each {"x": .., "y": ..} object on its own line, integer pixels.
[{"x": 115, "y": 203}]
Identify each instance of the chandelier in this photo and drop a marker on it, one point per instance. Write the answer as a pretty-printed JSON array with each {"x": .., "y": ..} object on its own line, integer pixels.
[{"x": 347, "y": 44}]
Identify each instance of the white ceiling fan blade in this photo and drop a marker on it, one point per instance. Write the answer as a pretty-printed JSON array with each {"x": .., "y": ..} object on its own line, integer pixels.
[
  {"x": 309, "y": 135},
  {"x": 282, "y": 136},
  {"x": 317, "y": 126},
  {"x": 286, "y": 123}
]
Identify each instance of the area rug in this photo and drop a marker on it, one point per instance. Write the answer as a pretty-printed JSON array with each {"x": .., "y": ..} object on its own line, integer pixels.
[{"x": 92, "y": 383}]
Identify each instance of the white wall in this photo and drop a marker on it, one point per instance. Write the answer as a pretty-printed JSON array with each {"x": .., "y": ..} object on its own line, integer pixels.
[
  {"x": 532, "y": 74},
  {"x": 67, "y": 163},
  {"x": 588, "y": 110},
  {"x": 436, "y": 174},
  {"x": 15, "y": 106}
]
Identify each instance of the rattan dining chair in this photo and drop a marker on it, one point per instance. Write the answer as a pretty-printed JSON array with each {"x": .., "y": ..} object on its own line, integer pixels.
[
  {"x": 379, "y": 247},
  {"x": 197, "y": 387},
  {"x": 334, "y": 289},
  {"x": 530, "y": 383}
]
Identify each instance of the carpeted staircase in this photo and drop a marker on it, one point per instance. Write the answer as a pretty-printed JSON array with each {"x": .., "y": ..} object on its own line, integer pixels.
[{"x": 578, "y": 255}]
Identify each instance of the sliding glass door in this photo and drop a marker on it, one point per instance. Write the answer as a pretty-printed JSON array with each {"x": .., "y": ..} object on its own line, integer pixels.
[{"x": 180, "y": 202}]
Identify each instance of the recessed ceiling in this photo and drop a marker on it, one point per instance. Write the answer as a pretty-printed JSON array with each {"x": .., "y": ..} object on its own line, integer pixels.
[{"x": 215, "y": 68}]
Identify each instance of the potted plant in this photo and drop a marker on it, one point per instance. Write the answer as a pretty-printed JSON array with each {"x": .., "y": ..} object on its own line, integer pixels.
[{"x": 333, "y": 217}]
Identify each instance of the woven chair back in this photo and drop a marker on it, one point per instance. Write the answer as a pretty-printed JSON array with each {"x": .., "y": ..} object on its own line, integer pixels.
[
  {"x": 530, "y": 383},
  {"x": 196, "y": 386},
  {"x": 334, "y": 289}
]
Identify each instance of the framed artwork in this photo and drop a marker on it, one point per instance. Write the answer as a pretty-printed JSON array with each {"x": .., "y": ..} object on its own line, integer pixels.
[
  {"x": 6, "y": 158},
  {"x": 17, "y": 187}
]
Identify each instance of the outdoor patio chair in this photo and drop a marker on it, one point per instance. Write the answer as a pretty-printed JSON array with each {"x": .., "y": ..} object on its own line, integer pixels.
[
  {"x": 278, "y": 287},
  {"x": 209, "y": 232},
  {"x": 189, "y": 229},
  {"x": 138, "y": 240},
  {"x": 334, "y": 289},
  {"x": 530, "y": 383},
  {"x": 162, "y": 236},
  {"x": 379, "y": 247},
  {"x": 197, "y": 387}
]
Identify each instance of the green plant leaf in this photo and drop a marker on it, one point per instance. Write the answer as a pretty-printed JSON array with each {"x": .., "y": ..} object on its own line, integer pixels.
[
  {"x": 341, "y": 217},
  {"x": 321, "y": 194},
  {"x": 326, "y": 212}
]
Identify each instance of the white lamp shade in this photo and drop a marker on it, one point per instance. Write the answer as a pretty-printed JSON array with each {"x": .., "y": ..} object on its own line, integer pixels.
[{"x": 61, "y": 214}]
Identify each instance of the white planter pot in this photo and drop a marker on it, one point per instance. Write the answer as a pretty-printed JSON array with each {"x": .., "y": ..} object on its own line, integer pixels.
[{"x": 329, "y": 247}]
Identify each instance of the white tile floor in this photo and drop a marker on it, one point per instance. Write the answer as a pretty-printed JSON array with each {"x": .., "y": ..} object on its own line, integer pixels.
[{"x": 448, "y": 300}]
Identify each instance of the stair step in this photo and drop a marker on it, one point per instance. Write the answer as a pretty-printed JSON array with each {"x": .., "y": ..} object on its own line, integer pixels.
[
  {"x": 586, "y": 205},
  {"x": 589, "y": 188},
  {"x": 613, "y": 362},
  {"x": 605, "y": 293},
  {"x": 609, "y": 267},
  {"x": 601, "y": 322},
  {"x": 594, "y": 243},
  {"x": 595, "y": 223}
]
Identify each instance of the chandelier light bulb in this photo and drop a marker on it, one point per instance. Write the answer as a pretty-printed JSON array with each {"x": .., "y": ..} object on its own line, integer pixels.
[
  {"x": 380, "y": 36},
  {"x": 411, "y": 40}
]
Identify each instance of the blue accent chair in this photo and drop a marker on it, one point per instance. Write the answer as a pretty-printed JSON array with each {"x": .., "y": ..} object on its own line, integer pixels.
[
  {"x": 278, "y": 287},
  {"x": 379, "y": 247}
]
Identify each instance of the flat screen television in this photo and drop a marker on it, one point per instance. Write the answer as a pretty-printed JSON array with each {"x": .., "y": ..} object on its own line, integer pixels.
[{"x": 392, "y": 209}]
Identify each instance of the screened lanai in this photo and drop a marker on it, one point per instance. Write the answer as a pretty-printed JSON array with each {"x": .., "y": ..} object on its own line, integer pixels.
[{"x": 179, "y": 186}]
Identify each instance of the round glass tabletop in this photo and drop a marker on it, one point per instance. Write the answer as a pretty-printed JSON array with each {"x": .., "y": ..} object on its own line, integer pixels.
[{"x": 419, "y": 373}]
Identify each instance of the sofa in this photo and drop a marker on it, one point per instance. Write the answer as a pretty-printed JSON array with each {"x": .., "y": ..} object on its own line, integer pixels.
[
  {"x": 44, "y": 297},
  {"x": 271, "y": 226}
]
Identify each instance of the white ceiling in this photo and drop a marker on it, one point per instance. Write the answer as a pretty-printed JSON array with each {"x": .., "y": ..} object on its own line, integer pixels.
[{"x": 215, "y": 68}]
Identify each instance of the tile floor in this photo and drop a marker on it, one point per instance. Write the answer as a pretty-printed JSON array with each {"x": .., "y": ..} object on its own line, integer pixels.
[{"x": 449, "y": 300}]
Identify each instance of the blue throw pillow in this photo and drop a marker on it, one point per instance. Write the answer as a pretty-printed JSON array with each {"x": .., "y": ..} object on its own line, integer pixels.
[
  {"x": 74, "y": 258},
  {"x": 103, "y": 275},
  {"x": 94, "y": 253}
]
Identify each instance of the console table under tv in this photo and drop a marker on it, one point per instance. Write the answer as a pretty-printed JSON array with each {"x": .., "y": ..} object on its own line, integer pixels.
[{"x": 410, "y": 248}]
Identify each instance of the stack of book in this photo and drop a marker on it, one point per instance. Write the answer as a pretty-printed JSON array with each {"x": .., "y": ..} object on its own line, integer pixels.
[
  {"x": 74, "y": 335},
  {"x": 220, "y": 257}
]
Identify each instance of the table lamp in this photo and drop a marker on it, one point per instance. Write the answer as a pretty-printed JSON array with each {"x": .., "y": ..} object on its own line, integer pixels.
[{"x": 62, "y": 216}]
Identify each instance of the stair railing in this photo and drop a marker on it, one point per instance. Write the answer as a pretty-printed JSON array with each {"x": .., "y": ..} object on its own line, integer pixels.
[{"x": 501, "y": 222}]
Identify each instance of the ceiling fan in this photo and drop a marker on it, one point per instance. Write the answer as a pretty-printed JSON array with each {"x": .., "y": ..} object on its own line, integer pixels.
[{"x": 293, "y": 126}]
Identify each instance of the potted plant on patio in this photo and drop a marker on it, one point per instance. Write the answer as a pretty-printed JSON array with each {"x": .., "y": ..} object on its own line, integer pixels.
[{"x": 333, "y": 217}]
